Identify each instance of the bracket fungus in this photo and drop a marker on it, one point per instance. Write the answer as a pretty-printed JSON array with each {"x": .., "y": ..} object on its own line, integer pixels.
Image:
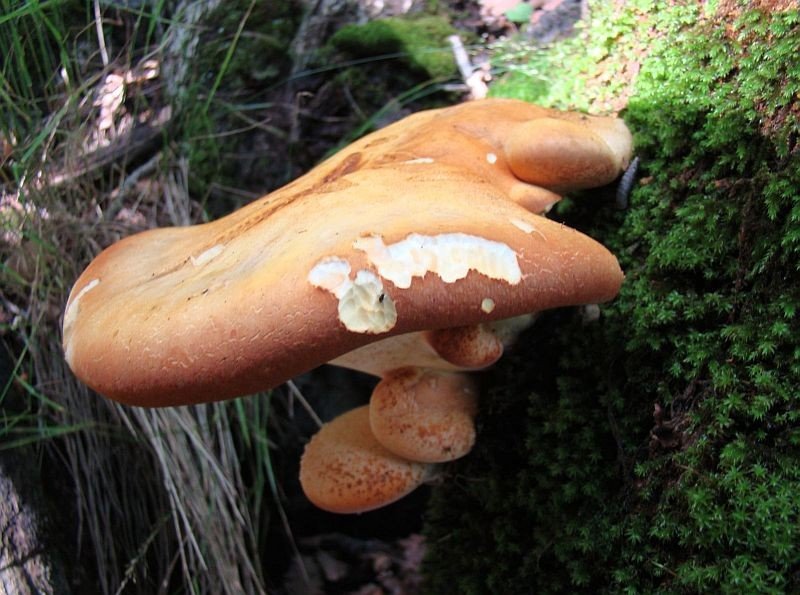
[{"x": 414, "y": 254}]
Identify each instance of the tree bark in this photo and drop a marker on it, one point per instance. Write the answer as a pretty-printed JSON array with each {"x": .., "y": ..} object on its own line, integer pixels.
[{"x": 28, "y": 565}]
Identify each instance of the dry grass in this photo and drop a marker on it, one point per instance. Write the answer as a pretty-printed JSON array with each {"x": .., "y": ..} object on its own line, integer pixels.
[
  {"x": 158, "y": 493},
  {"x": 161, "y": 499}
]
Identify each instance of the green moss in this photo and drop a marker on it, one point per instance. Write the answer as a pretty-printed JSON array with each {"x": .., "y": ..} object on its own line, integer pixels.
[
  {"x": 591, "y": 70},
  {"x": 598, "y": 494},
  {"x": 421, "y": 42},
  {"x": 388, "y": 68}
]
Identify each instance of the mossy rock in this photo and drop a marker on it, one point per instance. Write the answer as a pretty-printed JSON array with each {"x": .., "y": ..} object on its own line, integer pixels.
[
  {"x": 385, "y": 69},
  {"x": 658, "y": 449},
  {"x": 419, "y": 42}
]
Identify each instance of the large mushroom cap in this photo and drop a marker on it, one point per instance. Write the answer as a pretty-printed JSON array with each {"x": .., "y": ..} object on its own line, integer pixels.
[
  {"x": 345, "y": 469},
  {"x": 409, "y": 229}
]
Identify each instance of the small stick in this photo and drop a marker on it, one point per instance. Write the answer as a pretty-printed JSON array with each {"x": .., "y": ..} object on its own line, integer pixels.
[
  {"x": 462, "y": 58},
  {"x": 473, "y": 77},
  {"x": 101, "y": 39},
  {"x": 295, "y": 393}
]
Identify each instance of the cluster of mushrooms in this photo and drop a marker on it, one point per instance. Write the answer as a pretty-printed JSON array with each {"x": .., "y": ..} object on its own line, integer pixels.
[{"x": 415, "y": 254}]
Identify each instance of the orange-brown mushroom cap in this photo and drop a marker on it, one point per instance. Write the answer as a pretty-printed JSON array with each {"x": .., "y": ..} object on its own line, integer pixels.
[
  {"x": 345, "y": 469},
  {"x": 467, "y": 347},
  {"x": 568, "y": 155},
  {"x": 407, "y": 230},
  {"x": 425, "y": 415}
]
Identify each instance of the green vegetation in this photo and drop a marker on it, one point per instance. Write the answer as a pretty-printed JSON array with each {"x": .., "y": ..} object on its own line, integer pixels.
[
  {"x": 420, "y": 43},
  {"x": 591, "y": 71},
  {"x": 387, "y": 68},
  {"x": 391, "y": 66},
  {"x": 520, "y": 14},
  {"x": 658, "y": 449}
]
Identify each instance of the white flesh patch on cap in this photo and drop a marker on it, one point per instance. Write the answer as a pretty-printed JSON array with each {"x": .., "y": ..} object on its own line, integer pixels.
[
  {"x": 207, "y": 256},
  {"x": 364, "y": 306},
  {"x": 487, "y": 305},
  {"x": 419, "y": 160},
  {"x": 491, "y": 158},
  {"x": 71, "y": 313},
  {"x": 331, "y": 274},
  {"x": 450, "y": 255}
]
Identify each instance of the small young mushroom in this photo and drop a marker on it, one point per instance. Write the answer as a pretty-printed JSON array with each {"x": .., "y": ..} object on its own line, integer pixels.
[
  {"x": 459, "y": 348},
  {"x": 425, "y": 415},
  {"x": 420, "y": 390},
  {"x": 410, "y": 247},
  {"x": 345, "y": 469},
  {"x": 571, "y": 154},
  {"x": 468, "y": 347}
]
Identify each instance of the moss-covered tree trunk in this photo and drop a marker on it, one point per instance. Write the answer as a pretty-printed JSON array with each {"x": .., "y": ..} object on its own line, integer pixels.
[{"x": 657, "y": 450}]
